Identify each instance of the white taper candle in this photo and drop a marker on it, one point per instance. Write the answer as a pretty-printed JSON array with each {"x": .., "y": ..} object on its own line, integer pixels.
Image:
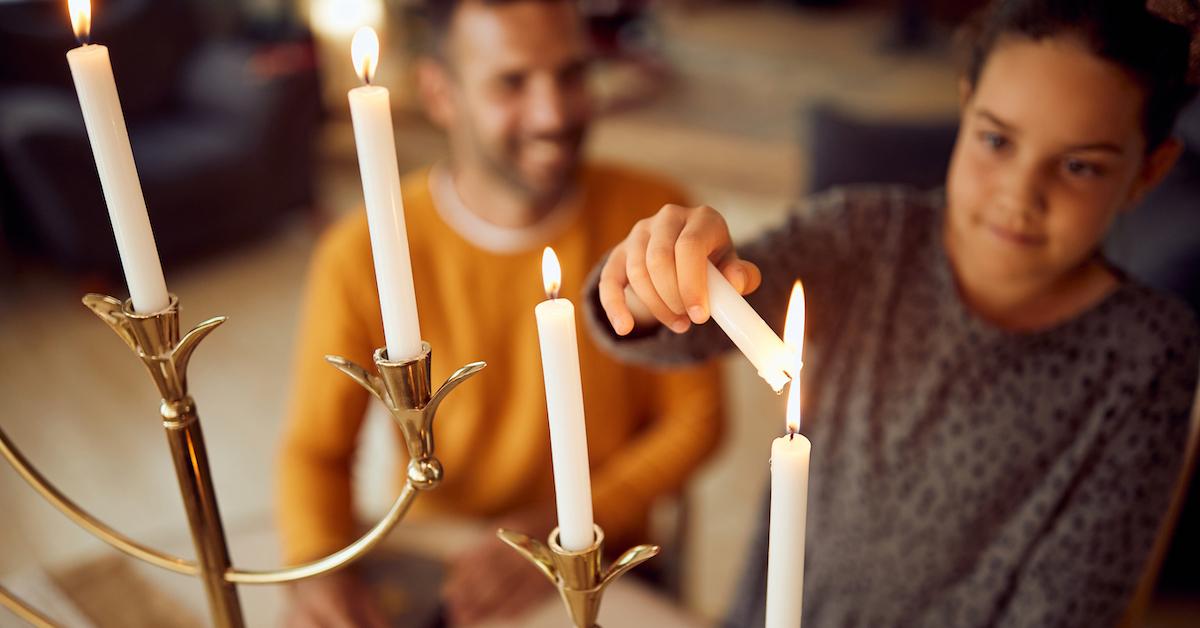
[
  {"x": 371, "y": 116},
  {"x": 564, "y": 404},
  {"x": 789, "y": 492},
  {"x": 748, "y": 331},
  {"x": 105, "y": 122}
]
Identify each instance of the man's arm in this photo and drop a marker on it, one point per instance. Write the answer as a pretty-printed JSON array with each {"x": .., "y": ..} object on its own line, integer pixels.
[
  {"x": 326, "y": 408},
  {"x": 684, "y": 428}
]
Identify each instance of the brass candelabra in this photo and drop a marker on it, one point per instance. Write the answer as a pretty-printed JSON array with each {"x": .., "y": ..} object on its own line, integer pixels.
[{"x": 405, "y": 387}]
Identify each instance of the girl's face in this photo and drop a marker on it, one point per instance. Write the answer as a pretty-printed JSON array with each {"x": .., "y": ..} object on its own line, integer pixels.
[{"x": 1050, "y": 149}]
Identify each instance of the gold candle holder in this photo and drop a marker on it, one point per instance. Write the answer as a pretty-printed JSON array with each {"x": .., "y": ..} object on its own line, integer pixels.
[
  {"x": 579, "y": 576},
  {"x": 403, "y": 386}
]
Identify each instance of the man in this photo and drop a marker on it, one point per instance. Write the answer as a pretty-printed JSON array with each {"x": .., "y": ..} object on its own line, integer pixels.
[{"x": 507, "y": 80}]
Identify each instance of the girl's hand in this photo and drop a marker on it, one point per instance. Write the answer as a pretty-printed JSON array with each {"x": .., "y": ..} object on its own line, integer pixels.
[{"x": 661, "y": 265}]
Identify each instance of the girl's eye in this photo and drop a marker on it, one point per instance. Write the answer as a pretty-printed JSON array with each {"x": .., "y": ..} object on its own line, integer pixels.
[
  {"x": 511, "y": 81},
  {"x": 994, "y": 141},
  {"x": 1081, "y": 168}
]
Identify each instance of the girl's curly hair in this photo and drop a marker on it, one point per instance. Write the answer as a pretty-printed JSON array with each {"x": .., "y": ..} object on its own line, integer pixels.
[{"x": 1152, "y": 41}]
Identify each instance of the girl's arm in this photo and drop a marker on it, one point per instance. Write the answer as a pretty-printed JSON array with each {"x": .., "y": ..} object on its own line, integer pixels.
[{"x": 828, "y": 242}]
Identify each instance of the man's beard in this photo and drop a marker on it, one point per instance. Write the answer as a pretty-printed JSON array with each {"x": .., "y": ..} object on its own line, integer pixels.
[{"x": 538, "y": 193}]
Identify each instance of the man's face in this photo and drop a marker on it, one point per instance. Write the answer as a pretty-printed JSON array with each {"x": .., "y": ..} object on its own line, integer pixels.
[
  {"x": 516, "y": 97},
  {"x": 1049, "y": 150}
]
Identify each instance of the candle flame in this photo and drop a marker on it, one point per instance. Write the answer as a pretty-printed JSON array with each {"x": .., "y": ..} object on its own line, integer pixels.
[
  {"x": 551, "y": 273},
  {"x": 364, "y": 50},
  {"x": 81, "y": 19},
  {"x": 793, "y": 337}
]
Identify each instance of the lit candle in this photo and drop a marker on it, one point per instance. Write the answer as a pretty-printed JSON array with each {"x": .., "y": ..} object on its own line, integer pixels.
[
  {"x": 564, "y": 403},
  {"x": 371, "y": 115},
  {"x": 105, "y": 122},
  {"x": 789, "y": 493},
  {"x": 748, "y": 331}
]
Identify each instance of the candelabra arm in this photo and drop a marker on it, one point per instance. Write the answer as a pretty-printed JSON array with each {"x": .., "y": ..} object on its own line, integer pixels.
[
  {"x": 630, "y": 559},
  {"x": 338, "y": 559},
  {"x": 23, "y": 610},
  {"x": 404, "y": 388},
  {"x": 86, "y": 521},
  {"x": 452, "y": 382},
  {"x": 533, "y": 550}
]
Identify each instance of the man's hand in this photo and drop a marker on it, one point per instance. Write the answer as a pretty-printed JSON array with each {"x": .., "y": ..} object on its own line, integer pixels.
[
  {"x": 663, "y": 263},
  {"x": 337, "y": 600},
  {"x": 491, "y": 580}
]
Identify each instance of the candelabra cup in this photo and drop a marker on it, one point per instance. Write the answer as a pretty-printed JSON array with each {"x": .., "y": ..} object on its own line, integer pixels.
[
  {"x": 404, "y": 387},
  {"x": 579, "y": 576}
]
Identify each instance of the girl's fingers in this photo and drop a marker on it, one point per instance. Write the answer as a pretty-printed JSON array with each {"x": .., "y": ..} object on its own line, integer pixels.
[
  {"x": 744, "y": 276},
  {"x": 704, "y": 236},
  {"x": 665, "y": 228},
  {"x": 643, "y": 287},
  {"x": 613, "y": 283}
]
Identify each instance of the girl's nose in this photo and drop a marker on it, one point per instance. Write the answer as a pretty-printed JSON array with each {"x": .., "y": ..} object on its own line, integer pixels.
[{"x": 1024, "y": 192}]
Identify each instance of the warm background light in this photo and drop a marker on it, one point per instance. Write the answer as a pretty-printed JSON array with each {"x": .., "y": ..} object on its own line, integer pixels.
[
  {"x": 81, "y": 18},
  {"x": 551, "y": 273},
  {"x": 339, "y": 18},
  {"x": 364, "y": 50}
]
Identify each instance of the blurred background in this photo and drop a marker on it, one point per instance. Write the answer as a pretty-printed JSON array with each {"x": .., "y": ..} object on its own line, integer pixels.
[{"x": 238, "y": 118}]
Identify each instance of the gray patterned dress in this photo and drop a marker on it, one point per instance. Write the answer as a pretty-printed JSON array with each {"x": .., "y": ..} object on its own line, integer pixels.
[{"x": 961, "y": 475}]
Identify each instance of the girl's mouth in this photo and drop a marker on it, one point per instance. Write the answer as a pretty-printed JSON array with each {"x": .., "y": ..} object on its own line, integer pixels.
[{"x": 1015, "y": 237}]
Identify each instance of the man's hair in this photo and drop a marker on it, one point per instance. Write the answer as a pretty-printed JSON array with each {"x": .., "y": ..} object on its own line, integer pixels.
[{"x": 439, "y": 15}]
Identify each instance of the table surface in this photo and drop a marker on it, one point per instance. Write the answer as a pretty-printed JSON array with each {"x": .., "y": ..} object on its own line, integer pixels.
[
  {"x": 118, "y": 586},
  {"x": 626, "y": 602}
]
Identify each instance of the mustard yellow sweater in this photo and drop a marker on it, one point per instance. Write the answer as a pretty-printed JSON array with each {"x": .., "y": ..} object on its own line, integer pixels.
[{"x": 647, "y": 431}]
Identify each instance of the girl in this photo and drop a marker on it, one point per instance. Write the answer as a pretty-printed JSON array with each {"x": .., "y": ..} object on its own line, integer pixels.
[{"x": 998, "y": 416}]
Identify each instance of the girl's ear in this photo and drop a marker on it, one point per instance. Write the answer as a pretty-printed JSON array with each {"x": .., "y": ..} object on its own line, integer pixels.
[
  {"x": 1156, "y": 166},
  {"x": 964, "y": 93}
]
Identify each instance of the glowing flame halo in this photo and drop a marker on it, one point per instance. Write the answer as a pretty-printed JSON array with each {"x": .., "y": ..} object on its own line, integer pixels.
[{"x": 364, "y": 51}]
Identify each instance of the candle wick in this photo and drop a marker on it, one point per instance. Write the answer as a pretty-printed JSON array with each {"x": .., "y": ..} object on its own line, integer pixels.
[{"x": 791, "y": 435}]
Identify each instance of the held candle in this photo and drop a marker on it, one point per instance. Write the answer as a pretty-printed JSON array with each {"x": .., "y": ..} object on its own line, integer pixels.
[
  {"x": 564, "y": 404},
  {"x": 105, "y": 122},
  {"x": 748, "y": 331},
  {"x": 789, "y": 494},
  {"x": 371, "y": 116}
]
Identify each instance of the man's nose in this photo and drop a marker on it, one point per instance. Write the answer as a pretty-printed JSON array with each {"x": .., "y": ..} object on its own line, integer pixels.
[{"x": 546, "y": 107}]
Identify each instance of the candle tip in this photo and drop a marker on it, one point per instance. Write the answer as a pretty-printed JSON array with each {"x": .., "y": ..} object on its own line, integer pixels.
[
  {"x": 364, "y": 51},
  {"x": 551, "y": 273},
  {"x": 81, "y": 20}
]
